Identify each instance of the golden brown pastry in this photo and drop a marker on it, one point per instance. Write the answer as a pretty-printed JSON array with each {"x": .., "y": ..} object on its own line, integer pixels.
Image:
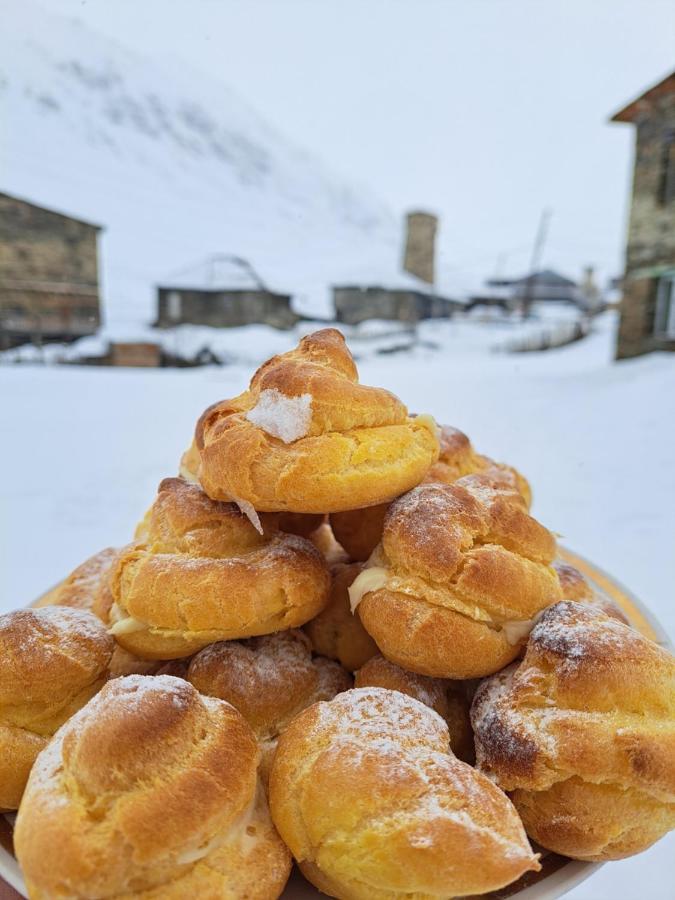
[
  {"x": 359, "y": 531},
  {"x": 52, "y": 661},
  {"x": 337, "y": 632},
  {"x": 269, "y": 680},
  {"x": 460, "y": 574},
  {"x": 306, "y": 437},
  {"x": 87, "y": 587},
  {"x": 304, "y": 524},
  {"x": 374, "y": 806},
  {"x": 150, "y": 792},
  {"x": 582, "y": 732},
  {"x": 81, "y": 587},
  {"x": 200, "y": 572},
  {"x": 575, "y": 587},
  {"x": 448, "y": 698}
]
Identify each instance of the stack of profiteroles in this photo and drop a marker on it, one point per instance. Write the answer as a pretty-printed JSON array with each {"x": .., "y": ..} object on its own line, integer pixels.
[{"x": 338, "y": 637}]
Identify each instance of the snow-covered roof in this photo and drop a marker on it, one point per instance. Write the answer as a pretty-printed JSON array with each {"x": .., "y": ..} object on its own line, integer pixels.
[
  {"x": 222, "y": 271},
  {"x": 545, "y": 277}
]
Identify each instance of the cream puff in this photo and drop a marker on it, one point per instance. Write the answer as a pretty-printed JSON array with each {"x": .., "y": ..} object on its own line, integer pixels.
[
  {"x": 306, "y": 437},
  {"x": 52, "y": 661},
  {"x": 462, "y": 571},
  {"x": 200, "y": 572},
  {"x": 269, "y": 680},
  {"x": 374, "y": 806},
  {"x": 151, "y": 792},
  {"x": 581, "y": 732}
]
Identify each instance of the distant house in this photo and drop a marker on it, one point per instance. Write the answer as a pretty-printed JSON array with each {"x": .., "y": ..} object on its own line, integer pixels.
[
  {"x": 48, "y": 274},
  {"x": 546, "y": 286},
  {"x": 224, "y": 292},
  {"x": 648, "y": 301},
  {"x": 355, "y": 303},
  {"x": 406, "y": 297}
]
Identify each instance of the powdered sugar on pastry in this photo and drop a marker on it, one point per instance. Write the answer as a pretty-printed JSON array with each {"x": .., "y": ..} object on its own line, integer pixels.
[{"x": 286, "y": 418}]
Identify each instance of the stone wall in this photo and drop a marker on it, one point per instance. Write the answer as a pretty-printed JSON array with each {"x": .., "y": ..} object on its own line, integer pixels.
[
  {"x": 354, "y": 305},
  {"x": 651, "y": 230},
  {"x": 48, "y": 273},
  {"x": 223, "y": 309}
]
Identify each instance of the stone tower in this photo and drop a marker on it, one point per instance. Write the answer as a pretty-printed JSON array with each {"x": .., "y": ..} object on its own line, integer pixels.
[{"x": 420, "y": 243}]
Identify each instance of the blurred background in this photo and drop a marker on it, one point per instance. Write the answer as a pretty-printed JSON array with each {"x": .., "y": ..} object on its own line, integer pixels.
[{"x": 480, "y": 194}]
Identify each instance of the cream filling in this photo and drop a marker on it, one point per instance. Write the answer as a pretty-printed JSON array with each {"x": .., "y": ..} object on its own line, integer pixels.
[
  {"x": 428, "y": 422},
  {"x": 237, "y": 830},
  {"x": 377, "y": 577},
  {"x": 128, "y": 625},
  {"x": 516, "y": 630},
  {"x": 194, "y": 855},
  {"x": 365, "y": 582}
]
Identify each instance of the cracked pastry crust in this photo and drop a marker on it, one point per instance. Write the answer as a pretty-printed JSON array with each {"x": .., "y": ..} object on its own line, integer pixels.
[
  {"x": 87, "y": 587},
  {"x": 269, "y": 679},
  {"x": 200, "y": 572},
  {"x": 150, "y": 792},
  {"x": 52, "y": 661},
  {"x": 464, "y": 571},
  {"x": 448, "y": 698},
  {"x": 306, "y": 437},
  {"x": 582, "y": 733},
  {"x": 374, "y": 806},
  {"x": 359, "y": 531}
]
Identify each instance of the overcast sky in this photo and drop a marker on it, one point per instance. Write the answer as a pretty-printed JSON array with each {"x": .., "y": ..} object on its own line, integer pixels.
[{"x": 484, "y": 111}]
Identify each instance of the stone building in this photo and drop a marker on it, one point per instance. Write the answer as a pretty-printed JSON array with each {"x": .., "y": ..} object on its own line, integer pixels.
[
  {"x": 545, "y": 286},
  {"x": 223, "y": 292},
  {"x": 48, "y": 274},
  {"x": 648, "y": 302},
  {"x": 354, "y": 304},
  {"x": 406, "y": 297}
]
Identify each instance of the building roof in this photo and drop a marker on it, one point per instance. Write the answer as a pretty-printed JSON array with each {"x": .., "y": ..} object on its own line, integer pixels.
[
  {"x": 218, "y": 272},
  {"x": 54, "y": 212},
  {"x": 640, "y": 104},
  {"x": 545, "y": 277}
]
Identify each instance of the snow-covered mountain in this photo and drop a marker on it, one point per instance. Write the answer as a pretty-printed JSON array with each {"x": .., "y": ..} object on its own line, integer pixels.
[{"x": 175, "y": 167}]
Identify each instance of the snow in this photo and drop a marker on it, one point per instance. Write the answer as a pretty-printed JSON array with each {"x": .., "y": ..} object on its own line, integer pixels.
[
  {"x": 85, "y": 448},
  {"x": 177, "y": 169},
  {"x": 286, "y": 418}
]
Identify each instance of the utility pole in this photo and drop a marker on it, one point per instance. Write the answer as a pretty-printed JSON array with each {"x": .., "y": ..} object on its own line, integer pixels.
[{"x": 535, "y": 260}]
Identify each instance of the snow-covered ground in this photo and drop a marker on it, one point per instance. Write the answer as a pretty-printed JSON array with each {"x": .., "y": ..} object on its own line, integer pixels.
[
  {"x": 176, "y": 167},
  {"x": 83, "y": 450}
]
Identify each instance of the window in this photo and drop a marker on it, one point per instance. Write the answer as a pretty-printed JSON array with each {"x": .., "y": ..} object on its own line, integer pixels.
[
  {"x": 666, "y": 186},
  {"x": 664, "y": 316}
]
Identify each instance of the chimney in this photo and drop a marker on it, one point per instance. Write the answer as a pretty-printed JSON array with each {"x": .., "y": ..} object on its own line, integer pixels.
[{"x": 420, "y": 245}]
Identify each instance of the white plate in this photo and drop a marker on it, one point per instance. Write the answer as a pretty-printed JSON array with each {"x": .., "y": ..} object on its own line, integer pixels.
[{"x": 558, "y": 875}]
